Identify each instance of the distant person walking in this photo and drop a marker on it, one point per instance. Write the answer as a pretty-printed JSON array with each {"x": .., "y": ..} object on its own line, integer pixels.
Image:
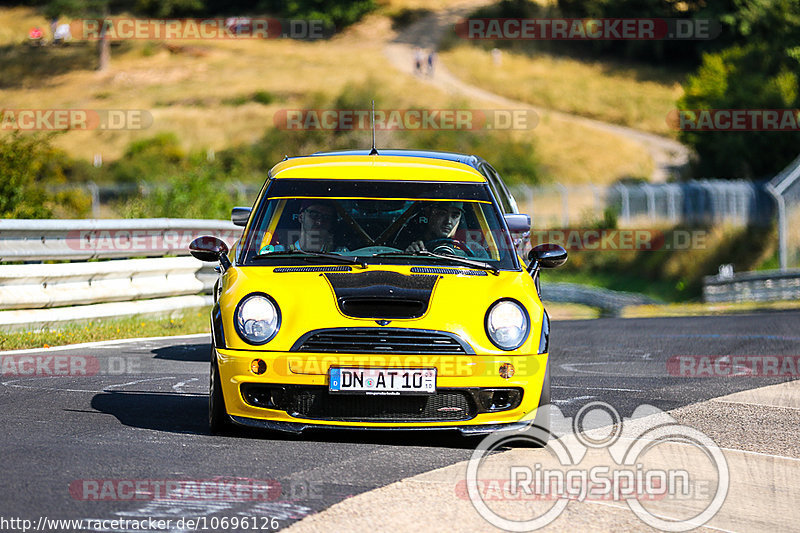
[
  {"x": 62, "y": 35},
  {"x": 36, "y": 36},
  {"x": 417, "y": 60},
  {"x": 431, "y": 62},
  {"x": 497, "y": 57}
]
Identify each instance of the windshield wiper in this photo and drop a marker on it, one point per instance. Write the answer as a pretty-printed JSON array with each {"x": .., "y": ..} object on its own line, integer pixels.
[
  {"x": 314, "y": 255},
  {"x": 452, "y": 258}
]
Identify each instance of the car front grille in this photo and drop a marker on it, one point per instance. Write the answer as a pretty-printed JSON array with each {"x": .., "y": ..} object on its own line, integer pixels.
[
  {"x": 318, "y": 404},
  {"x": 381, "y": 340}
]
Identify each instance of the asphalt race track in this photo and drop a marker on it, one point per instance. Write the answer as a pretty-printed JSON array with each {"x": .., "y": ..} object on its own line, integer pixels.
[{"x": 142, "y": 417}]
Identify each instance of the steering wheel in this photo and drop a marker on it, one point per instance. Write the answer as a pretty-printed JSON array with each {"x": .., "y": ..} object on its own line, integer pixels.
[{"x": 447, "y": 245}]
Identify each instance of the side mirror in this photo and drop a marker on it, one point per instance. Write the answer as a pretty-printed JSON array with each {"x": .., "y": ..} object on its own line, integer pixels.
[
  {"x": 518, "y": 222},
  {"x": 208, "y": 249},
  {"x": 547, "y": 256},
  {"x": 240, "y": 215}
]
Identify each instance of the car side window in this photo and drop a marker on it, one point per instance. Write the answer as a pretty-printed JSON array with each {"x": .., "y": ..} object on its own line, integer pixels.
[{"x": 498, "y": 188}]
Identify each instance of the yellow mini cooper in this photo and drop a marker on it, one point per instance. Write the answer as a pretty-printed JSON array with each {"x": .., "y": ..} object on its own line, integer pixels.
[{"x": 379, "y": 291}]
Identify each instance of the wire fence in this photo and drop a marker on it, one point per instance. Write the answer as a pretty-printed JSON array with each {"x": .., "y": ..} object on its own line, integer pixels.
[{"x": 700, "y": 202}]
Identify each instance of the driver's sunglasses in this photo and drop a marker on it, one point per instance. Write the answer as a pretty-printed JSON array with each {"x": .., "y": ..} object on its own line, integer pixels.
[{"x": 319, "y": 216}]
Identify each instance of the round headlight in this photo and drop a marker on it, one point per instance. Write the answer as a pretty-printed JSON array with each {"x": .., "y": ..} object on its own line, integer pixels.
[
  {"x": 257, "y": 319},
  {"x": 507, "y": 324}
]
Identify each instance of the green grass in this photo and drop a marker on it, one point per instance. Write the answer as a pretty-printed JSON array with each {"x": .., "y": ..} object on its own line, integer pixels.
[
  {"x": 704, "y": 309},
  {"x": 191, "y": 321},
  {"x": 661, "y": 290}
]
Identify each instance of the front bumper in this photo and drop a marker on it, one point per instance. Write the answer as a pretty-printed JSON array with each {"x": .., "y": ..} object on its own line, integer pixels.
[
  {"x": 467, "y": 375},
  {"x": 299, "y": 427}
]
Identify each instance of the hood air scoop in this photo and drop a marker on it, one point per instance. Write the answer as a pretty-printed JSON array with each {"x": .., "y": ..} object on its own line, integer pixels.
[{"x": 382, "y": 294}]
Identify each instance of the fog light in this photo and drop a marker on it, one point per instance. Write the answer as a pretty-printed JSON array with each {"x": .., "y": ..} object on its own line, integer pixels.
[
  {"x": 258, "y": 366},
  {"x": 506, "y": 370}
]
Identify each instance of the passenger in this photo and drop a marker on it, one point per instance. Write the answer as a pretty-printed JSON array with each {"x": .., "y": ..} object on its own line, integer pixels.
[{"x": 317, "y": 221}]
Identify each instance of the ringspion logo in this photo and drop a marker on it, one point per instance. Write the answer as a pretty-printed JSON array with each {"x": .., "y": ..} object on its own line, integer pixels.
[{"x": 601, "y": 457}]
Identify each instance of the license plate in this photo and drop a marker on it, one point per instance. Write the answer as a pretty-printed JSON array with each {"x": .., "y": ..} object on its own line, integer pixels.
[{"x": 379, "y": 381}]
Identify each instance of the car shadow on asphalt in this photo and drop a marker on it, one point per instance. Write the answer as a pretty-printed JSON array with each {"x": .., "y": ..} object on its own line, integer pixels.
[
  {"x": 159, "y": 411},
  {"x": 198, "y": 353}
]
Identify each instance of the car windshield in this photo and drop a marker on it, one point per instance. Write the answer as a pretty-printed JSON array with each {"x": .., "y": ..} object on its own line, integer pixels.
[{"x": 378, "y": 222}]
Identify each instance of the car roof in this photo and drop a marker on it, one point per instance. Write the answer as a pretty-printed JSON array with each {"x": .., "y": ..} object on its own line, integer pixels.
[
  {"x": 465, "y": 159},
  {"x": 359, "y": 165}
]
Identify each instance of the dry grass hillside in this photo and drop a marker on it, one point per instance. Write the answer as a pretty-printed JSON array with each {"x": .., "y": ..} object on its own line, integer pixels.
[{"x": 210, "y": 93}]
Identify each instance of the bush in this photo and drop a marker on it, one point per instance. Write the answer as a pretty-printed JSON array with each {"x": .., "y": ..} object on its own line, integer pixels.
[
  {"x": 149, "y": 159},
  {"x": 197, "y": 193},
  {"x": 677, "y": 273},
  {"x": 28, "y": 166}
]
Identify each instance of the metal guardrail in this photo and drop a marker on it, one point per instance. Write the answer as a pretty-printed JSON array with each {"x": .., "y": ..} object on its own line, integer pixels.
[
  {"x": 36, "y": 295},
  {"x": 611, "y": 302},
  {"x": 763, "y": 286},
  {"x": 59, "y": 285},
  {"x": 47, "y": 240}
]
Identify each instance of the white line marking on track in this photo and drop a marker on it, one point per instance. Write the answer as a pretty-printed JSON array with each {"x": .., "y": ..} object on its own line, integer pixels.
[
  {"x": 110, "y": 388},
  {"x": 594, "y": 388},
  {"x": 13, "y": 383},
  {"x": 178, "y": 387},
  {"x": 572, "y": 400},
  {"x": 100, "y": 344},
  {"x": 135, "y": 382}
]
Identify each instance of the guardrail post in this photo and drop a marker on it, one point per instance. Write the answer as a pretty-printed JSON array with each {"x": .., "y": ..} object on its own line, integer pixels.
[
  {"x": 564, "y": 205},
  {"x": 626, "y": 203},
  {"x": 94, "y": 190},
  {"x": 782, "y": 247}
]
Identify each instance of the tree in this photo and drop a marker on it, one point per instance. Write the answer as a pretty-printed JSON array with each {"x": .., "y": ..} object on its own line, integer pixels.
[
  {"x": 759, "y": 73},
  {"x": 102, "y": 9}
]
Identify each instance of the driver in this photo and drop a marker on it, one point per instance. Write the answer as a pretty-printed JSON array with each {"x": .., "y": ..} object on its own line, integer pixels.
[{"x": 440, "y": 222}]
